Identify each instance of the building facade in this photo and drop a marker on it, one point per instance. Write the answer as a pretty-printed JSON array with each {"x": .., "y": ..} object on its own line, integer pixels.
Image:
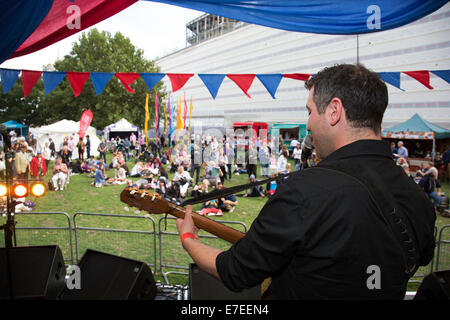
[{"x": 421, "y": 45}]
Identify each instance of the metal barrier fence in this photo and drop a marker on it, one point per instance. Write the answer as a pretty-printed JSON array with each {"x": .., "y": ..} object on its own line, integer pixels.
[
  {"x": 425, "y": 270},
  {"x": 443, "y": 249},
  {"x": 44, "y": 228},
  {"x": 136, "y": 238},
  {"x": 171, "y": 253}
]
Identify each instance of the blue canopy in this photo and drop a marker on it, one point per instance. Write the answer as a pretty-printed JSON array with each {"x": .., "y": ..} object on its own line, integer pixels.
[
  {"x": 417, "y": 123},
  {"x": 16, "y": 126},
  {"x": 27, "y": 26}
]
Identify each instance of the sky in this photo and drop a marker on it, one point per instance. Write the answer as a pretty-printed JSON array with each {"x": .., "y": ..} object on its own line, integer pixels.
[{"x": 158, "y": 29}]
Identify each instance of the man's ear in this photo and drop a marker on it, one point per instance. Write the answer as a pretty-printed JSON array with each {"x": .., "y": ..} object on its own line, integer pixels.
[{"x": 335, "y": 111}]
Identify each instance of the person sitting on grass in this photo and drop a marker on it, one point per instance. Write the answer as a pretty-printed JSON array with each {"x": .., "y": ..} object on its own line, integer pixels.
[
  {"x": 120, "y": 176},
  {"x": 226, "y": 203},
  {"x": 183, "y": 178},
  {"x": 211, "y": 208},
  {"x": 137, "y": 170},
  {"x": 100, "y": 177},
  {"x": 256, "y": 191}
]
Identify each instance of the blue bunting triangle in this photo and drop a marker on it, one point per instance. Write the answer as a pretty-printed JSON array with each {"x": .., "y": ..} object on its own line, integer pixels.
[
  {"x": 9, "y": 78},
  {"x": 270, "y": 82},
  {"x": 444, "y": 74},
  {"x": 392, "y": 78},
  {"x": 99, "y": 80},
  {"x": 151, "y": 79},
  {"x": 52, "y": 79},
  {"x": 212, "y": 82}
]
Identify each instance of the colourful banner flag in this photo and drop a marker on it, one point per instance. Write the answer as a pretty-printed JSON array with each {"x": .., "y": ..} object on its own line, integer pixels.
[
  {"x": 190, "y": 114},
  {"x": 85, "y": 122},
  {"x": 165, "y": 118},
  {"x": 185, "y": 111},
  {"x": 147, "y": 117},
  {"x": 179, "y": 115},
  {"x": 156, "y": 113}
]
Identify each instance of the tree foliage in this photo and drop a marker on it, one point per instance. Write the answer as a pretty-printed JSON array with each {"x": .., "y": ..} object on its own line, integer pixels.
[{"x": 94, "y": 51}]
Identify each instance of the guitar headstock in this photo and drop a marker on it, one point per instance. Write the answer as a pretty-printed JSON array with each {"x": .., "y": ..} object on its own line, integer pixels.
[{"x": 145, "y": 200}]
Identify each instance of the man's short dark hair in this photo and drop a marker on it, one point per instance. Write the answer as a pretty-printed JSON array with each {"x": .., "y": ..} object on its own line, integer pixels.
[{"x": 363, "y": 94}]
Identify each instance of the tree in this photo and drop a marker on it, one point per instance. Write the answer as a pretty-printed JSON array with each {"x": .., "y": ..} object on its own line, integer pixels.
[{"x": 94, "y": 51}]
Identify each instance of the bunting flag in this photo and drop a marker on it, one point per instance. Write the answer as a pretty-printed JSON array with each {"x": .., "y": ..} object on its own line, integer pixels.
[
  {"x": 190, "y": 114},
  {"x": 147, "y": 117},
  {"x": 393, "y": 78},
  {"x": 99, "y": 80},
  {"x": 270, "y": 82},
  {"x": 127, "y": 78},
  {"x": 185, "y": 111},
  {"x": 179, "y": 115},
  {"x": 212, "y": 82},
  {"x": 444, "y": 74},
  {"x": 77, "y": 81},
  {"x": 29, "y": 79},
  {"x": 52, "y": 80},
  {"x": 298, "y": 76},
  {"x": 156, "y": 113},
  {"x": 243, "y": 81},
  {"x": 9, "y": 78},
  {"x": 151, "y": 79},
  {"x": 422, "y": 76},
  {"x": 178, "y": 80}
]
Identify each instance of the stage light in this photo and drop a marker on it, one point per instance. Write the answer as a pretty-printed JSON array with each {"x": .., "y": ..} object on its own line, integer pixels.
[
  {"x": 38, "y": 189},
  {"x": 19, "y": 190},
  {"x": 3, "y": 190}
]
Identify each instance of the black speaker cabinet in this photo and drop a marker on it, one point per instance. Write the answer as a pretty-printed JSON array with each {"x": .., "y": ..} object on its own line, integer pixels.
[
  {"x": 203, "y": 286},
  {"x": 36, "y": 272},
  {"x": 109, "y": 277},
  {"x": 435, "y": 286}
]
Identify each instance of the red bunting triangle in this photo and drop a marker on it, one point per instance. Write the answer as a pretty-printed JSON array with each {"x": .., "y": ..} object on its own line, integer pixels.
[
  {"x": 127, "y": 79},
  {"x": 178, "y": 80},
  {"x": 297, "y": 76},
  {"x": 29, "y": 79},
  {"x": 243, "y": 81},
  {"x": 77, "y": 81},
  {"x": 422, "y": 76}
]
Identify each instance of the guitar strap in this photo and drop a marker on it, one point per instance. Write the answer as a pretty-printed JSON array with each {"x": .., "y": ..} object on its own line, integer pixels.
[{"x": 388, "y": 208}]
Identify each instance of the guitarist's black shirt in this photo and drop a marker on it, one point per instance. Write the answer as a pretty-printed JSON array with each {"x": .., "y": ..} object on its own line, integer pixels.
[{"x": 320, "y": 236}]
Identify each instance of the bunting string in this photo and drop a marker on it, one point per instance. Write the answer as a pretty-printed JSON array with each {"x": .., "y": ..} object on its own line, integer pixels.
[{"x": 212, "y": 82}]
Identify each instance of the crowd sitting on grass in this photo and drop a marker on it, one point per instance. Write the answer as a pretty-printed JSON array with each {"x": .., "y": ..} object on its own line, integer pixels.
[{"x": 204, "y": 164}]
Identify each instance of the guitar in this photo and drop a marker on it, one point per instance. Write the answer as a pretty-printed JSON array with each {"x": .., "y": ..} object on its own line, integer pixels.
[{"x": 154, "y": 203}]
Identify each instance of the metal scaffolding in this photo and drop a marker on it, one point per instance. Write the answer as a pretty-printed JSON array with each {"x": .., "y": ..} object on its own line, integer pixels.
[{"x": 209, "y": 26}]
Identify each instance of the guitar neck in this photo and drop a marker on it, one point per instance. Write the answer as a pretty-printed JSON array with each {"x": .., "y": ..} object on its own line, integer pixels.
[{"x": 222, "y": 231}]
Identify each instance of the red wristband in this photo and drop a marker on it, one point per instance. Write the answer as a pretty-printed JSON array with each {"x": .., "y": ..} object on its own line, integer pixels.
[{"x": 187, "y": 235}]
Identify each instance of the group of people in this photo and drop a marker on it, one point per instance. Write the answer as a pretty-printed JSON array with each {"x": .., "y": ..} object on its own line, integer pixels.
[{"x": 427, "y": 174}]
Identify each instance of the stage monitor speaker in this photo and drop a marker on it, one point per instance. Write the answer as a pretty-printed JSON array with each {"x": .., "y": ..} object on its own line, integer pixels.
[
  {"x": 37, "y": 272},
  {"x": 109, "y": 277},
  {"x": 203, "y": 286},
  {"x": 435, "y": 286}
]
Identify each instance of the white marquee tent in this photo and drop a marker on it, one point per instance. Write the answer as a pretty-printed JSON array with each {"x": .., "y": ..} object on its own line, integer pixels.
[
  {"x": 64, "y": 128},
  {"x": 120, "y": 127}
]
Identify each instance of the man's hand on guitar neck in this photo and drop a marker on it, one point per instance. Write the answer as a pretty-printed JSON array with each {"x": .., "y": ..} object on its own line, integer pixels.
[{"x": 204, "y": 256}]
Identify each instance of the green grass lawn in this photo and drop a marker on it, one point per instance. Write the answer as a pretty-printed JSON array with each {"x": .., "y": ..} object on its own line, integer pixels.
[{"x": 106, "y": 232}]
